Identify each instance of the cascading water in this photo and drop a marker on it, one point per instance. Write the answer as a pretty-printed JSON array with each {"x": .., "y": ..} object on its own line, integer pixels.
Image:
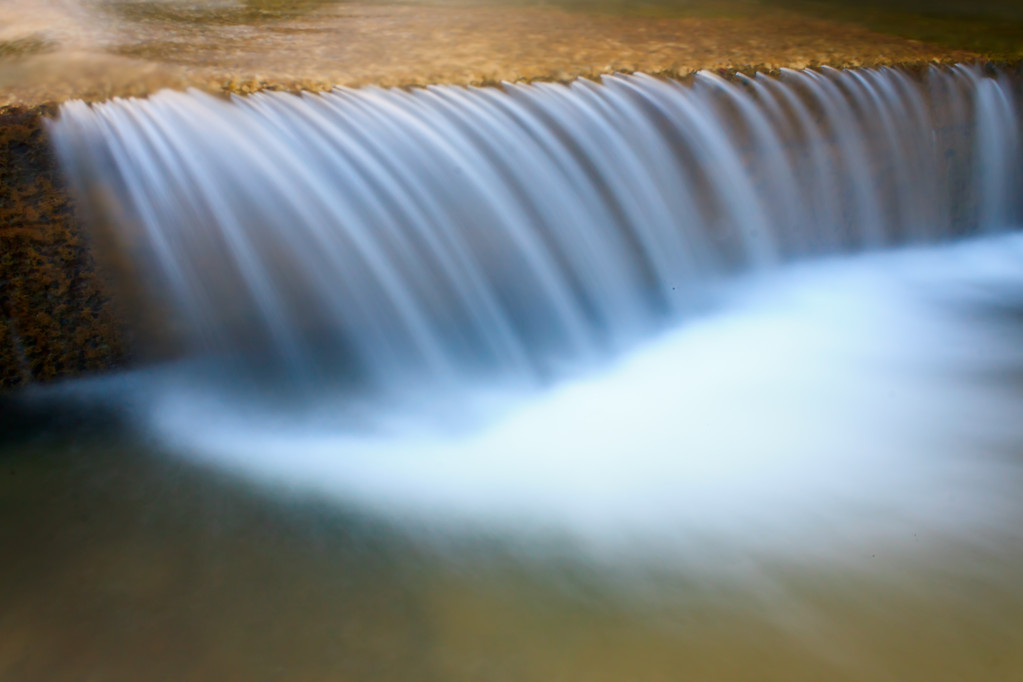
[
  {"x": 562, "y": 306},
  {"x": 437, "y": 230}
]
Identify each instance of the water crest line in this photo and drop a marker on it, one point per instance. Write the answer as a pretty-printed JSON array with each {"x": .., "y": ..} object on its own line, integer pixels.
[{"x": 439, "y": 232}]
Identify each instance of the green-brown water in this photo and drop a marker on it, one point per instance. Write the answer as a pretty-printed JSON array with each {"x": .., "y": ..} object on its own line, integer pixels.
[
  {"x": 122, "y": 564},
  {"x": 994, "y": 27},
  {"x": 122, "y": 561}
]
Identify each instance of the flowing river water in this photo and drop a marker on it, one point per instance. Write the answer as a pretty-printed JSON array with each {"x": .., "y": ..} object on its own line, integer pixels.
[{"x": 631, "y": 380}]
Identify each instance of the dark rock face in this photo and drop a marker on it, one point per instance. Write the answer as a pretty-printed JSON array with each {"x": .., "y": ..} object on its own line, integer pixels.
[{"x": 56, "y": 315}]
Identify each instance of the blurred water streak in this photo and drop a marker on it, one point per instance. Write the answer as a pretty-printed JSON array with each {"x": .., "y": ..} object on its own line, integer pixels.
[
  {"x": 607, "y": 381},
  {"x": 442, "y": 232}
]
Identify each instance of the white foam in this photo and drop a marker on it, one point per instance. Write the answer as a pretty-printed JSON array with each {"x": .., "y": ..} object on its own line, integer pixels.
[{"x": 831, "y": 408}]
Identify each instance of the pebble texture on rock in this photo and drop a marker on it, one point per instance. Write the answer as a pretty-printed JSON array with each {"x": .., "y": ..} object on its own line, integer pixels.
[{"x": 55, "y": 317}]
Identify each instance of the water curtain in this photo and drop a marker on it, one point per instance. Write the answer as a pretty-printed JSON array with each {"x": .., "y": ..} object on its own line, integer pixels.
[{"x": 439, "y": 232}]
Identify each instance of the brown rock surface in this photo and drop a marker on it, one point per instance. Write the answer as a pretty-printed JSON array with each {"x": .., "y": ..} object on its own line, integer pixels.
[
  {"x": 55, "y": 318},
  {"x": 135, "y": 48}
]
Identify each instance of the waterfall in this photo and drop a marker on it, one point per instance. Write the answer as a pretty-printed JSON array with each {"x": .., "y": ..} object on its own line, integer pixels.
[
  {"x": 434, "y": 234},
  {"x": 713, "y": 319}
]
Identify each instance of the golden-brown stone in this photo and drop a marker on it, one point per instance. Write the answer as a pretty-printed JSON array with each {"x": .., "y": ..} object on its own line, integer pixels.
[
  {"x": 355, "y": 44},
  {"x": 56, "y": 315}
]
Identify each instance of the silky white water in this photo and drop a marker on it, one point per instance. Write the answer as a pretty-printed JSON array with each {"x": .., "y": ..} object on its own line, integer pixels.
[
  {"x": 700, "y": 325},
  {"x": 835, "y": 408}
]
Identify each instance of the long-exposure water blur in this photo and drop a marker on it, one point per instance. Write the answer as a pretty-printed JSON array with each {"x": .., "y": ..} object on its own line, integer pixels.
[{"x": 713, "y": 377}]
